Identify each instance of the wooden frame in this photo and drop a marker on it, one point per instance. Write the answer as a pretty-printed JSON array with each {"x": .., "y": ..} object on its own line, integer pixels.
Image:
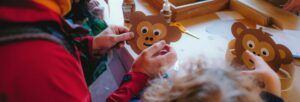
[
  {"x": 264, "y": 13},
  {"x": 183, "y": 9}
]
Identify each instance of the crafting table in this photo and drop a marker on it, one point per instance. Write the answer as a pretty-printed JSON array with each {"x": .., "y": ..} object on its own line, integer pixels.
[{"x": 214, "y": 36}]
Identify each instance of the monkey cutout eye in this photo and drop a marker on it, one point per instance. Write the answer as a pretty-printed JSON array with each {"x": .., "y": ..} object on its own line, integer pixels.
[
  {"x": 156, "y": 32},
  {"x": 264, "y": 52},
  {"x": 250, "y": 44},
  {"x": 144, "y": 29}
]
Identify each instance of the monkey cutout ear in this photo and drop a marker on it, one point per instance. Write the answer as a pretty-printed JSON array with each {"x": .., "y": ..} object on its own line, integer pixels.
[
  {"x": 237, "y": 28},
  {"x": 136, "y": 17},
  {"x": 175, "y": 34},
  {"x": 285, "y": 54}
]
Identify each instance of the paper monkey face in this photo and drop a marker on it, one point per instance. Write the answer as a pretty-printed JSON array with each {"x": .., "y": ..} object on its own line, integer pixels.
[
  {"x": 257, "y": 47},
  {"x": 149, "y": 30},
  {"x": 149, "y": 34},
  {"x": 261, "y": 44}
]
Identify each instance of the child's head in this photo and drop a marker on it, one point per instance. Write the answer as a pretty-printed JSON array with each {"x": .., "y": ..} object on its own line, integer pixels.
[{"x": 198, "y": 83}]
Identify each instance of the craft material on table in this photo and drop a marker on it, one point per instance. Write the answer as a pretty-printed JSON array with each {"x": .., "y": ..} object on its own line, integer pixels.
[
  {"x": 166, "y": 11},
  {"x": 128, "y": 6},
  {"x": 183, "y": 29},
  {"x": 229, "y": 15},
  {"x": 223, "y": 29}
]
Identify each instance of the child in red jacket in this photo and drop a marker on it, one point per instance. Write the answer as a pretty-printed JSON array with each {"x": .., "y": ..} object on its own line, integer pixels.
[{"x": 40, "y": 61}]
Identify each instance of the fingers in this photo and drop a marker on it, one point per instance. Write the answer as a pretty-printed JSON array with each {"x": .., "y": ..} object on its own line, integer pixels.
[
  {"x": 119, "y": 29},
  {"x": 232, "y": 51},
  {"x": 292, "y": 5},
  {"x": 168, "y": 48},
  {"x": 247, "y": 72},
  {"x": 169, "y": 58},
  {"x": 253, "y": 57},
  {"x": 120, "y": 44},
  {"x": 287, "y": 7},
  {"x": 163, "y": 51},
  {"x": 155, "y": 48},
  {"x": 122, "y": 37}
]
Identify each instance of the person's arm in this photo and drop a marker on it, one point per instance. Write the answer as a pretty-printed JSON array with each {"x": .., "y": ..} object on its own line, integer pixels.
[
  {"x": 292, "y": 5},
  {"x": 113, "y": 36},
  {"x": 149, "y": 64},
  {"x": 132, "y": 84},
  {"x": 46, "y": 72},
  {"x": 264, "y": 73}
]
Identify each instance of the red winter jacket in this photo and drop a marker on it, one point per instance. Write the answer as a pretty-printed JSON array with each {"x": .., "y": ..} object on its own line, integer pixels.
[{"x": 44, "y": 71}]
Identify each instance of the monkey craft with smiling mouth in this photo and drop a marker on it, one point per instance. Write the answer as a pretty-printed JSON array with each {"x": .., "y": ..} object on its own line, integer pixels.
[
  {"x": 259, "y": 43},
  {"x": 149, "y": 30}
]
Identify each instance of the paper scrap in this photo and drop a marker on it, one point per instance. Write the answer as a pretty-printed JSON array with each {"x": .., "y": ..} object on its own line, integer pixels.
[
  {"x": 289, "y": 38},
  {"x": 229, "y": 15}
]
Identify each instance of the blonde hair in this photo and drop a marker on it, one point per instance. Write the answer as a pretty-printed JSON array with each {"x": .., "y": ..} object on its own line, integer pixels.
[{"x": 197, "y": 82}]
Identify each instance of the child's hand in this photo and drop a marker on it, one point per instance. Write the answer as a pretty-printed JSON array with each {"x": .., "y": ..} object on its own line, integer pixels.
[
  {"x": 110, "y": 37},
  {"x": 293, "y": 5},
  {"x": 155, "y": 59},
  {"x": 263, "y": 72}
]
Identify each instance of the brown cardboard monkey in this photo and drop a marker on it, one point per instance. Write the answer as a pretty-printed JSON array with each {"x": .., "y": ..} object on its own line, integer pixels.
[
  {"x": 259, "y": 43},
  {"x": 149, "y": 30}
]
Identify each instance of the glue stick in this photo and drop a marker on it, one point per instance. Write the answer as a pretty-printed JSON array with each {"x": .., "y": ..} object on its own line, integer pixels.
[
  {"x": 128, "y": 7},
  {"x": 166, "y": 11}
]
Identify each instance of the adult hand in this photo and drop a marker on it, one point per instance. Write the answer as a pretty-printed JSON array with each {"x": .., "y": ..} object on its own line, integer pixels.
[
  {"x": 111, "y": 37},
  {"x": 92, "y": 4},
  {"x": 264, "y": 72},
  {"x": 155, "y": 60},
  {"x": 293, "y": 5}
]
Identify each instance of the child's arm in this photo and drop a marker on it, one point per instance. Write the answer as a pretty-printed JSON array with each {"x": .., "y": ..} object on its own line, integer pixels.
[
  {"x": 292, "y": 5},
  {"x": 151, "y": 62},
  {"x": 263, "y": 72},
  {"x": 132, "y": 84}
]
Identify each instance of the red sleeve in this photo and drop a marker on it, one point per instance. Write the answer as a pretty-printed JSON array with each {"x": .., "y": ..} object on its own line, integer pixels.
[
  {"x": 129, "y": 89},
  {"x": 88, "y": 40},
  {"x": 41, "y": 71}
]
